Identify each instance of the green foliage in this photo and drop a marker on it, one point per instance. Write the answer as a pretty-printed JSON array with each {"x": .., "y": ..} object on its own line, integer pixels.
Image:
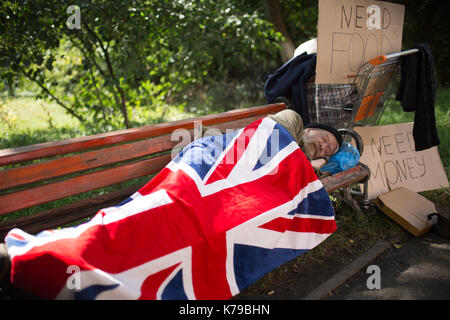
[
  {"x": 204, "y": 56},
  {"x": 301, "y": 19},
  {"x": 102, "y": 71},
  {"x": 427, "y": 21}
]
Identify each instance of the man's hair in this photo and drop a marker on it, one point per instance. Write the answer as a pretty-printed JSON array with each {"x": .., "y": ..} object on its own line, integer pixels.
[{"x": 327, "y": 128}]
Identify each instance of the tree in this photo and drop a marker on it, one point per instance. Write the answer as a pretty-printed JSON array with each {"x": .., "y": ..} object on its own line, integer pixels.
[
  {"x": 273, "y": 10},
  {"x": 122, "y": 48},
  {"x": 427, "y": 21}
]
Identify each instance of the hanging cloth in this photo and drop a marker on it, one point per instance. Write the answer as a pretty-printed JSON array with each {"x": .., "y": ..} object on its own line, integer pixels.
[{"x": 417, "y": 92}]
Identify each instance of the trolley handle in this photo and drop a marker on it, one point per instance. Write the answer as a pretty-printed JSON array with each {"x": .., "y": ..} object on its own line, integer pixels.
[
  {"x": 356, "y": 137},
  {"x": 380, "y": 59}
]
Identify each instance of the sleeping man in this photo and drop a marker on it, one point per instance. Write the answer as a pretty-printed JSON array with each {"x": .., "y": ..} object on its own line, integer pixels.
[
  {"x": 203, "y": 228},
  {"x": 318, "y": 141}
]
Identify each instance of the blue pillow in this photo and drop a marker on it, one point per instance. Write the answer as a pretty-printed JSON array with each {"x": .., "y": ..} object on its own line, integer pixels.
[{"x": 347, "y": 157}]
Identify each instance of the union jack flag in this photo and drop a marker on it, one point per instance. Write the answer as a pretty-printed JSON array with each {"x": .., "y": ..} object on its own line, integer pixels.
[{"x": 227, "y": 210}]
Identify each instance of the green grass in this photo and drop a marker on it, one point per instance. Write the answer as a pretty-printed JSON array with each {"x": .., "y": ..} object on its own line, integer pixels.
[{"x": 27, "y": 121}]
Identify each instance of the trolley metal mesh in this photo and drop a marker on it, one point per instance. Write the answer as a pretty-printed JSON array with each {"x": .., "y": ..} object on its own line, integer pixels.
[
  {"x": 331, "y": 104},
  {"x": 360, "y": 102},
  {"x": 374, "y": 85}
]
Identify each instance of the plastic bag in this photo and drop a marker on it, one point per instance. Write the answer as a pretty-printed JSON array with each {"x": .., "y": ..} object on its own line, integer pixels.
[{"x": 347, "y": 157}]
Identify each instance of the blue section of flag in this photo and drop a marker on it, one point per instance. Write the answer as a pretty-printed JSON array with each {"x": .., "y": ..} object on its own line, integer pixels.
[
  {"x": 175, "y": 289},
  {"x": 316, "y": 203},
  {"x": 203, "y": 153},
  {"x": 251, "y": 263},
  {"x": 14, "y": 242},
  {"x": 125, "y": 201},
  {"x": 277, "y": 141}
]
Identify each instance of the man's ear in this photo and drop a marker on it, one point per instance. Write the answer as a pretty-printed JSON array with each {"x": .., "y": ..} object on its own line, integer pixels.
[{"x": 307, "y": 130}]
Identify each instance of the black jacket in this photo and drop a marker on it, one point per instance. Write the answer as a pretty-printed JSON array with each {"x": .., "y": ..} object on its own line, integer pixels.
[
  {"x": 290, "y": 81},
  {"x": 417, "y": 92}
]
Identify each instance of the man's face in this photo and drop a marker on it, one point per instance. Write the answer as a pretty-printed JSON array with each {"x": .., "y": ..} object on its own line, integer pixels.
[{"x": 319, "y": 143}]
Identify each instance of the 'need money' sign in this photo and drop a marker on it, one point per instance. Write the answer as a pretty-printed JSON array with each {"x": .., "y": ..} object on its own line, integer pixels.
[
  {"x": 351, "y": 32},
  {"x": 389, "y": 152}
]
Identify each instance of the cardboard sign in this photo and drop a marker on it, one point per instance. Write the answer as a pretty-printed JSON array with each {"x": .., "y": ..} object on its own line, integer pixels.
[
  {"x": 409, "y": 209},
  {"x": 390, "y": 154},
  {"x": 352, "y": 32}
]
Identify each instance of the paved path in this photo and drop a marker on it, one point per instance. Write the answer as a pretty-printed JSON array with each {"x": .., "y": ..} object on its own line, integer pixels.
[{"x": 416, "y": 268}]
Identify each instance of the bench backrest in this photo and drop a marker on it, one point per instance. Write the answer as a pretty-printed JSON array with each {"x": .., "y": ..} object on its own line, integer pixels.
[{"x": 42, "y": 173}]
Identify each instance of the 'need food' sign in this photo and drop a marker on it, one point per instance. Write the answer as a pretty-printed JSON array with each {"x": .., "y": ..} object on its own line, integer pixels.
[
  {"x": 390, "y": 154},
  {"x": 351, "y": 32}
]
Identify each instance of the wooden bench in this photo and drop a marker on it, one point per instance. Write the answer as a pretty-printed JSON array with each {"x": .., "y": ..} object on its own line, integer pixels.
[{"x": 38, "y": 176}]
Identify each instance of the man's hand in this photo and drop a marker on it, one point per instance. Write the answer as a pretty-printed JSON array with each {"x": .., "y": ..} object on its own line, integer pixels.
[{"x": 318, "y": 163}]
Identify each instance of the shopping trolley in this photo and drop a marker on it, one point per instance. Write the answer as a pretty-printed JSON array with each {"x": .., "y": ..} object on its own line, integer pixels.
[{"x": 360, "y": 102}]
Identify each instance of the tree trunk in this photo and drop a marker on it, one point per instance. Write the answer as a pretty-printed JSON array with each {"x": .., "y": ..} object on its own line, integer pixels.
[
  {"x": 121, "y": 99},
  {"x": 273, "y": 9}
]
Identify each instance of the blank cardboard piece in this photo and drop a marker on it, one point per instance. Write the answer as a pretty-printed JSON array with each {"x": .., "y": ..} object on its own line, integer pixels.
[
  {"x": 352, "y": 32},
  {"x": 409, "y": 209},
  {"x": 389, "y": 152}
]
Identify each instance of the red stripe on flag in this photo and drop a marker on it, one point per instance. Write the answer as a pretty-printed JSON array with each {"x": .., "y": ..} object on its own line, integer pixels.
[
  {"x": 150, "y": 286},
  {"x": 235, "y": 153},
  {"x": 209, "y": 272},
  {"x": 17, "y": 236},
  {"x": 301, "y": 225}
]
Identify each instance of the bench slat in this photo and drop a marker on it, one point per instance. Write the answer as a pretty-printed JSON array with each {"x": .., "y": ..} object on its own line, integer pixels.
[
  {"x": 59, "y": 167},
  {"x": 87, "y": 182},
  {"x": 345, "y": 178},
  {"x": 48, "y": 149},
  {"x": 27, "y": 174},
  {"x": 72, "y": 212}
]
